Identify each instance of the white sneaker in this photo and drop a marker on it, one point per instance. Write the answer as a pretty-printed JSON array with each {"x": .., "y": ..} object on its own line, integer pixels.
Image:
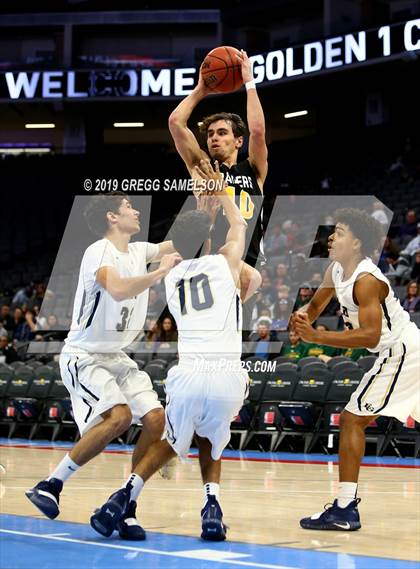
[{"x": 167, "y": 471}]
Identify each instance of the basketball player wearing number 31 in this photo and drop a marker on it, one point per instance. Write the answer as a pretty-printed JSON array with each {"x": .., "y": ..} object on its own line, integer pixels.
[
  {"x": 375, "y": 320},
  {"x": 107, "y": 390},
  {"x": 225, "y": 135}
]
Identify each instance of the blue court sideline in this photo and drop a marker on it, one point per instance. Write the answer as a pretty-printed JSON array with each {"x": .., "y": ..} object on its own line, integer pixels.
[{"x": 32, "y": 543}]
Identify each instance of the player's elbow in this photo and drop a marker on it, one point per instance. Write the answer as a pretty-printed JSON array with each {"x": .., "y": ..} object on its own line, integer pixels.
[
  {"x": 117, "y": 292},
  {"x": 174, "y": 121},
  {"x": 257, "y": 131},
  {"x": 372, "y": 339}
]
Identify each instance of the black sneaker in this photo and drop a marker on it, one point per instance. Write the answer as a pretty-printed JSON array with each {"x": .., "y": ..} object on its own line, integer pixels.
[
  {"x": 46, "y": 496},
  {"x": 335, "y": 518},
  {"x": 128, "y": 527},
  {"x": 213, "y": 528},
  {"x": 106, "y": 518}
]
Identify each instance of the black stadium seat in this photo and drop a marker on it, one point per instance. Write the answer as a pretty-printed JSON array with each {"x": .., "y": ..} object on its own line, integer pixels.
[
  {"x": 366, "y": 362},
  {"x": 309, "y": 360},
  {"x": 281, "y": 383},
  {"x": 337, "y": 360}
]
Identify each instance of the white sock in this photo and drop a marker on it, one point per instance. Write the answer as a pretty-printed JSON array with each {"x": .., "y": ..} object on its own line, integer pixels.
[
  {"x": 135, "y": 483},
  {"x": 346, "y": 493},
  {"x": 211, "y": 488},
  {"x": 64, "y": 469}
]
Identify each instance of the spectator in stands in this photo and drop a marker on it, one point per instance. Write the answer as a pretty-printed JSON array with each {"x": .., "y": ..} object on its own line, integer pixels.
[
  {"x": 6, "y": 317},
  {"x": 275, "y": 242},
  {"x": 39, "y": 295},
  {"x": 22, "y": 331},
  {"x": 261, "y": 339},
  {"x": 354, "y": 353},
  {"x": 153, "y": 333},
  {"x": 7, "y": 350},
  {"x": 389, "y": 256},
  {"x": 282, "y": 274},
  {"x": 304, "y": 296},
  {"x": 168, "y": 331},
  {"x": 415, "y": 273},
  {"x": 23, "y": 296},
  {"x": 281, "y": 314},
  {"x": 156, "y": 305},
  {"x": 283, "y": 292},
  {"x": 413, "y": 245},
  {"x": 411, "y": 302},
  {"x": 299, "y": 270},
  {"x": 378, "y": 213},
  {"x": 318, "y": 350},
  {"x": 267, "y": 290},
  {"x": 409, "y": 230},
  {"x": 294, "y": 349},
  {"x": 316, "y": 280}
]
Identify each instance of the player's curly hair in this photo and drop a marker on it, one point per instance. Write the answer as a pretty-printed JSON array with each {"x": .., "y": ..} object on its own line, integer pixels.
[
  {"x": 238, "y": 125},
  {"x": 98, "y": 207},
  {"x": 363, "y": 226},
  {"x": 189, "y": 232}
]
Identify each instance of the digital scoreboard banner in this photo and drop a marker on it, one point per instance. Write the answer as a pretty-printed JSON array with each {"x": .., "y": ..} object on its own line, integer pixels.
[{"x": 364, "y": 47}]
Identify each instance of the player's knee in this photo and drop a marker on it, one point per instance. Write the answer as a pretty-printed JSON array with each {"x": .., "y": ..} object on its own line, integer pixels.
[
  {"x": 120, "y": 419},
  {"x": 154, "y": 422},
  {"x": 349, "y": 421}
]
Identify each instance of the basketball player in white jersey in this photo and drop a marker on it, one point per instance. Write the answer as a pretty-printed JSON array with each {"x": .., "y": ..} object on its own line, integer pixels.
[
  {"x": 374, "y": 320},
  {"x": 107, "y": 390},
  {"x": 206, "y": 390}
]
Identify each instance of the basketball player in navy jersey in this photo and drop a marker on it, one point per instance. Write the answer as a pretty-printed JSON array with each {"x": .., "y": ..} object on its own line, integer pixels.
[
  {"x": 374, "y": 320},
  {"x": 225, "y": 135},
  {"x": 107, "y": 390}
]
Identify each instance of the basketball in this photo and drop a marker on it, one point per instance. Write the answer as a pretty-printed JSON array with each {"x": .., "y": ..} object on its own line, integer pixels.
[{"x": 221, "y": 69}]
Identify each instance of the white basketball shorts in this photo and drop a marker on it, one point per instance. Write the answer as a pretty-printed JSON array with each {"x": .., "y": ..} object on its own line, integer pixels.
[
  {"x": 392, "y": 386},
  {"x": 98, "y": 382},
  {"x": 204, "y": 403}
]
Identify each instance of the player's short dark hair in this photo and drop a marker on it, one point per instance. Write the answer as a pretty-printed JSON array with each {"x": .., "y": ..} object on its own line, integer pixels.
[
  {"x": 98, "y": 207},
  {"x": 238, "y": 125},
  {"x": 189, "y": 232},
  {"x": 363, "y": 226}
]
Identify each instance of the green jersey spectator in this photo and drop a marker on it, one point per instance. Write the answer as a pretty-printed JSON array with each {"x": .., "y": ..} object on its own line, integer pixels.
[{"x": 294, "y": 349}]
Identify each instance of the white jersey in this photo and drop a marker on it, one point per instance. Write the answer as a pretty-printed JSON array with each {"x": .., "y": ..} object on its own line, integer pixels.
[
  {"x": 100, "y": 323},
  {"x": 205, "y": 302},
  {"x": 395, "y": 319}
]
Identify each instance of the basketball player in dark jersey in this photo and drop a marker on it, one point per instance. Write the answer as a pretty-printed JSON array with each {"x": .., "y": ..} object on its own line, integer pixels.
[{"x": 225, "y": 134}]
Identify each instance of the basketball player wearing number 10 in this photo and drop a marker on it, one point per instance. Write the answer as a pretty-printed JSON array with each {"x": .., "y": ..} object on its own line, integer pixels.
[
  {"x": 375, "y": 320},
  {"x": 225, "y": 133}
]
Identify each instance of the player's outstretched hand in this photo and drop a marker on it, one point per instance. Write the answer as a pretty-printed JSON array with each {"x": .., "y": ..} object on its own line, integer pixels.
[
  {"x": 169, "y": 261},
  {"x": 246, "y": 67},
  {"x": 303, "y": 327},
  {"x": 212, "y": 176},
  {"x": 210, "y": 204}
]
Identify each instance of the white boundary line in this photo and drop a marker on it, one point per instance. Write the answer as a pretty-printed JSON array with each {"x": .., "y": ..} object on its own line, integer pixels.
[{"x": 180, "y": 554}]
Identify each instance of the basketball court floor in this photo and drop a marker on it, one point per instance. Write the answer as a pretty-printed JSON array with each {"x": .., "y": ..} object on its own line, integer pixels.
[{"x": 263, "y": 497}]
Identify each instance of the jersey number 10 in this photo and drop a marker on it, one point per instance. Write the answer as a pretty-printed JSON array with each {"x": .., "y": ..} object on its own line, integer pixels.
[{"x": 198, "y": 283}]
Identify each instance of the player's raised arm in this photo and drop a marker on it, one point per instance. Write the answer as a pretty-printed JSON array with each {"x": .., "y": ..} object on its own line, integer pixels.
[
  {"x": 121, "y": 288},
  {"x": 185, "y": 141},
  {"x": 256, "y": 123}
]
